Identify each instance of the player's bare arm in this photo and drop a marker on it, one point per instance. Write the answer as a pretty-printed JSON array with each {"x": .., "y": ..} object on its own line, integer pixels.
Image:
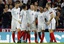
[{"x": 52, "y": 16}]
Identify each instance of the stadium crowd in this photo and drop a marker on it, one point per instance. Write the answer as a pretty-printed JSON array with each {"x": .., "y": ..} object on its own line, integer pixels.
[{"x": 7, "y": 5}]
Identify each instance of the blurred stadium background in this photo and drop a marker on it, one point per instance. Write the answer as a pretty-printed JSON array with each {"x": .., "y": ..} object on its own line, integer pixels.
[{"x": 7, "y": 5}]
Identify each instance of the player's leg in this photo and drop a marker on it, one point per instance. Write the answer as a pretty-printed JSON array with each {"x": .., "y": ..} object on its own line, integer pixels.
[
  {"x": 13, "y": 30},
  {"x": 42, "y": 36},
  {"x": 18, "y": 32},
  {"x": 52, "y": 37},
  {"x": 39, "y": 31},
  {"x": 24, "y": 37},
  {"x": 28, "y": 36},
  {"x": 19, "y": 36},
  {"x": 33, "y": 28},
  {"x": 51, "y": 31},
  {"x": 28, "y": 33},
  {"x": 13, "y": 36},
  {"x": 42, "y": 28},
  {"x": 35, "y": 34},
  {"x": 39, "y": 34}
]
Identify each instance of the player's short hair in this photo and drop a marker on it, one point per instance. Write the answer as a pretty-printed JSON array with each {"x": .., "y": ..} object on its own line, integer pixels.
[
  {"x": 49, "y": 4},
  {"x": 41, "y": 6},
  {"x": 17, "y": 2},
  {"x": 23, "y": 6}
]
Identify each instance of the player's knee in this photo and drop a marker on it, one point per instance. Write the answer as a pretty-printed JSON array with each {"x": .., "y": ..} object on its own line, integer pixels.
[
  {"x": 42, "y": 31},
  {"x": 29, "y": 32},
  {"x": 50, "y": 30},
  {"x": 13, "y": 32},
  {"x": 18, "y": 29}
]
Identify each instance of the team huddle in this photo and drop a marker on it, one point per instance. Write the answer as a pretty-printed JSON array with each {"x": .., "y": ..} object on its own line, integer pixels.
[{"x": 25, "y": 21}]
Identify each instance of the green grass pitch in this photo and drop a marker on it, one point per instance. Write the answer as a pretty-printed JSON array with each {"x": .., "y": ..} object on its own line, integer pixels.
[{"x": 31, "y": 43}]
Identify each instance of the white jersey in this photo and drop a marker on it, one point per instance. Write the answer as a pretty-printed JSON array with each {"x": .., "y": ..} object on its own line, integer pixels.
[
  {"x": 48, "y": 17},
  {"x": 41, "y": 21},
  {"x": 31, "y": 16},
  {"x": 15, "y": 18},
  {"x": 15, "y": 14},
  {"x": 48, "y": 14},
  {"x": 31, "y": 19},
  {"x": 23, "y": 19},
  {"x": 41, "y": 18}
]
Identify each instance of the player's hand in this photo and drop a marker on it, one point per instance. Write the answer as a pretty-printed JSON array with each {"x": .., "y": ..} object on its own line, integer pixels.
[
  {"x": 18, "y": 30},
  {"x": 34, "y": 30},
  {"x": 19, "y": 22},
  {"x": 48, "y": 23},
  {"x": 28, "y": 24}
]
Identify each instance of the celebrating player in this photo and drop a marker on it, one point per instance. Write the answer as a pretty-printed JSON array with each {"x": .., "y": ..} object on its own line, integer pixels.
[
  {"x": 23, "y": 24},
  {"x": 50, "y": 16},
  {"x": 36, "y": 22},
  {"x": 31, "y": 20},
  {"x": 41, "y": 23},
  {"x": 15, "y": 25}
]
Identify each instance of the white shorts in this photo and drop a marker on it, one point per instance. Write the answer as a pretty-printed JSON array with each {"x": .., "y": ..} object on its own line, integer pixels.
[
  {"x": 52, "y": 25},
  {"x": 15, "y": 25},
  {"x": 23, "y": 27},
  {"x": 28, "y": 29},
  {"x": 41, "y": 27},
  {"x": 18, "y": 25},
  {"x": 31, "y": 27}
]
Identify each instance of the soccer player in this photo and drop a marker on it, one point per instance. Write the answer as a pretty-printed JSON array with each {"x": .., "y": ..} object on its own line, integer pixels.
[
  {"x": 50, "y": 16},
  {"x": 41, "y": 23},
  {"x": 23, "y": 23},
  {"x": 15, "y": 25},
  {"x": 31, "y": 20},
  {"x": 36, "y": 22}
]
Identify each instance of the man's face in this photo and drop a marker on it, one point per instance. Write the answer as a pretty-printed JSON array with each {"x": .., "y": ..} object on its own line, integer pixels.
[
  {"x": 35, "y": 8},
  {"x": 10, "y": 6},
  {"x": 26, "y": 8},
  {"x": 45, "y": 9},
  {"x": 46, "y": 5},
  {"x": 9, "y": 1},
  {"x": 41, "y": 8},
  {"x": 32, "y": 7},
  {"x": 36, "y": 3},
  {"x": 20, "y": 4},
  {"x": 17, "y": 5}
]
